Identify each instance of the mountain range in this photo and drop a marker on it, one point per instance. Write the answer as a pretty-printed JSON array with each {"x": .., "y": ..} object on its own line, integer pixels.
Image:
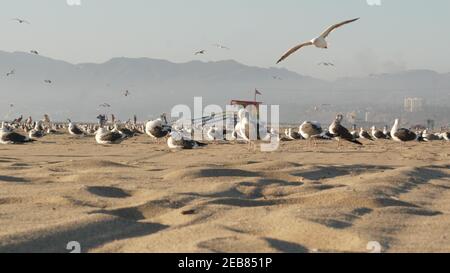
[{"x": 155, "y": 86}]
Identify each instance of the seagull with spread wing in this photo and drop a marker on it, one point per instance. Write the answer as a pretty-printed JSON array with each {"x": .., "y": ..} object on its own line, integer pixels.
[
  {"x": 12, "y": 72},
  {"x": 221, "y": 46},
  {"x": 21, "y": 21},
  {"x": 200, "y": 52},
  {"x": 319, "y": 42}
]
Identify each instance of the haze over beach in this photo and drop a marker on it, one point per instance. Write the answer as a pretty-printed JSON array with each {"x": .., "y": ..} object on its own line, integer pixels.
[{"x": 352, "y": 155}]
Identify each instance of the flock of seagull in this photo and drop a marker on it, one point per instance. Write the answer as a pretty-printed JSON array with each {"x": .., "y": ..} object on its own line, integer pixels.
[{"x": 182, "y": 137}]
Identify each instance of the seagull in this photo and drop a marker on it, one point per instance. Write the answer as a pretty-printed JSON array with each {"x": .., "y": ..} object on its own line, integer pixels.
[
  {"x": 386, "y": 132},
  {"x": 34, "y": 52},
  {"x": 363, "y": 134},
  {"x": 48, "y": 81},
  {"x": 12, "y": 72},
  {"x": 74, "y": 129},
  {"x": 21, "y": 21},
  {"x": 310, "y": 129},
  {"x": 293, "y": 135},
  {"x": 124, "y": 131},
  {"x": 319, "y": 42},
  {"x": 377, "y": 134},
  {"x": 402, "y": 134},
  {"x": 446, "y": 136},
  {"x": 354, "y": 132},
  {"x": 212, "y": 134},
  {"x": 104, "y": 136},
  {"x": 9, "y": 137},
  {"x": 326, "y": 64},
  {"x": 277, "y": 78},
  {"x": 106, "y": 105},
  {"x": 245, "y": 129},
  {"x": 200, "y": 52},
  {"x": 429, "y": 137},
  {"x": 158, "y": 128},
  {"x": 340, "y": 132},
  {"x": 126, "y": 93},
  {"x": 177, "y": 141},
  {"x": 37, "y": 132},
  {"x": 221, "y": 46}
]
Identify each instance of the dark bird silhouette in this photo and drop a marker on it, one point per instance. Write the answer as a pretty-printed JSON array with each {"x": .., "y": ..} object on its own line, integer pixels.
[
  {"x": 340, "y": 132},
  {"x": 12, "y": 72},
  {"x": 202, "y": 52},
  {"x": 21, "y": 21}
]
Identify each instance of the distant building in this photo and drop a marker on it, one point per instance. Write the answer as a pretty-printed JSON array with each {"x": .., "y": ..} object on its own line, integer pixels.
[{"x": 413, "y": 105}]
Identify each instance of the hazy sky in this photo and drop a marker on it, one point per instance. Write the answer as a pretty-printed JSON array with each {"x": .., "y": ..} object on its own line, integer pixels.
[{"x": 398, "y": 35}]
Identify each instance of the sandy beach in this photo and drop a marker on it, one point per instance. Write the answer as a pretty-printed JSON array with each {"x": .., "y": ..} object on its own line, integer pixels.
[{"x": 141, "y": 197}]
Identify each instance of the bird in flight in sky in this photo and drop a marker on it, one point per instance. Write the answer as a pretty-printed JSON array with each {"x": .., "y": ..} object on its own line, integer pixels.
[
  {"x": 221, "y": 46},
  {"x": 21, "y": 21},
  {"x": 12, "y": 72},
  {"x": 326, "y": 64},
  {"x": 200, "y": 52},
  {"x": 319, "y": 42}
]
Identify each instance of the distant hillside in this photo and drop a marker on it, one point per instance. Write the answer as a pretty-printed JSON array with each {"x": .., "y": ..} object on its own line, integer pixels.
[{"x": 157, "y": 85}]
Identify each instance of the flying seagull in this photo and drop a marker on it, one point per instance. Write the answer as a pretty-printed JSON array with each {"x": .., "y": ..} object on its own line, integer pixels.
[
  {"x": 126, "y": 93},
  {"x": 319, "y": 42},
  {"x": 12, "y": 72},
  {"x": 21, "y": 21},
  {"x": 34, "y": 52},
  {"x": 221, "y": 46},
  {"x": 48, "y": 81},
  {"x": 200, "y": 52},
  {"x": 326, "y": 64}
]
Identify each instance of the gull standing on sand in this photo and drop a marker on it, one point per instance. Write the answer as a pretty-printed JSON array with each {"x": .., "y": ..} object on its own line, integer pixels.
[
  {"x": 75, "y": 130},
  {"x": 340, "y": 132},
  {"x": 386, "y": 132},
  {"x": 104, "y": 136},
  {"x": 158, "y": 128},
  {"x": 310, "y": 129},
  {"x": 177, "y": 141},
  {"x": 427, "y": 137},
  {"x": 377, "y": 134},
  {"x": 363, "y": 134},
  {"x": 293, "y": 135},
  {"x": 446, "y": 136},
  {"x": 37, "y": 131},
  {"x": 402, "y": 134},
  {"x": 10, "y": 137},
  {"x": 319, "y": 42}
]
